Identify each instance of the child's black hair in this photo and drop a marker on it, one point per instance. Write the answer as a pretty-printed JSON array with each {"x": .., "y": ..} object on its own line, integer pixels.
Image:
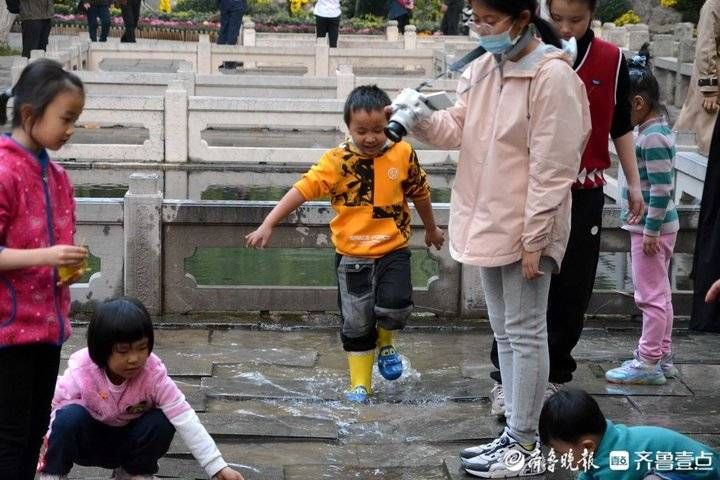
[
  {"x": 514, "y": 8},
  {"x": 643, "y": 82},
  {"x": 39, "y": 83},
  {"x": 120, "y": 320},
  {"x": 570, "y": 414},
  {"x": 370, "y": 98},
  {"x": 592, "y": 4}
]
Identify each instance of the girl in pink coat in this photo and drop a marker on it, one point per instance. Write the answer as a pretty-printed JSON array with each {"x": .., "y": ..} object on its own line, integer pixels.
[
  {"x": 37, "y": 257},
  {"x": 521, "y": 121},
  {"x": 116, "y": 407}
]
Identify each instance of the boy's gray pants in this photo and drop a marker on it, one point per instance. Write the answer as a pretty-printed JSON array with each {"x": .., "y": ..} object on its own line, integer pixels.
[{"x": 373, "y": 292}]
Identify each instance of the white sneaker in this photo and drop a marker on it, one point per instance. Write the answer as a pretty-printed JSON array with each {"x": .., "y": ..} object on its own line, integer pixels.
[
  {"x": 483, "y": 448},
  {"x": 508, "y": 460},
  {"x": 497, "y": 400}
]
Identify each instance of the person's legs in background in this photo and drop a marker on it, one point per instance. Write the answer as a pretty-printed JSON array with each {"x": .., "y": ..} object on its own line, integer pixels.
[
  {"x": 104, "y": 14},
  {"x": 32, "y": 34},
  {"x": 92, "y": 15},
  {"x": 403, "y": 21},
  {"x": 321, "y": 26},
  {"x": 127, "y": 16},
  {"x": 333, "y": 31}
]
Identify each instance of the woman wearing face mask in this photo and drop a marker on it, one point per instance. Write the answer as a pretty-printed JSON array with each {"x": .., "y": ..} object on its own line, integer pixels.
[
  {"x": 602, "y": 68},
  {"x": 521, "y": 121}
]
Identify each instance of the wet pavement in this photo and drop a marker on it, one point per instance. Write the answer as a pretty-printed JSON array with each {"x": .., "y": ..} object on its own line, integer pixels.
[{"x": 270, "y": 393}]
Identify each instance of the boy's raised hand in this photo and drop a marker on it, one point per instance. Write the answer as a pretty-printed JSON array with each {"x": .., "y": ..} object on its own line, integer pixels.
[
  {"x": 259, "y": 238},
  {"x": 228, "y": 473},
  {"x": 434, "y": 237}
]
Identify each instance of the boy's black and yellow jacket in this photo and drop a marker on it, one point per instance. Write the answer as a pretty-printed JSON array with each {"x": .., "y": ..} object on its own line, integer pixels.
[{"x": 369, "y": 195}]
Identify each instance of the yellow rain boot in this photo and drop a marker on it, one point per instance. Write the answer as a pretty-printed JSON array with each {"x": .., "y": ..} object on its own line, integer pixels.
[
  {"x": 389, "y": 362},
  {"x": 384, "y": 338},
  {"x": 360, "y": 365}
]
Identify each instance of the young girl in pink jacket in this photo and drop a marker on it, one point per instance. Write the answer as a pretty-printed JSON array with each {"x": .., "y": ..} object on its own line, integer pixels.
[
  {"x": 37, "y": 257},
  {"x": 116, "y": 407},
  {"x": 521, "y": 121}
]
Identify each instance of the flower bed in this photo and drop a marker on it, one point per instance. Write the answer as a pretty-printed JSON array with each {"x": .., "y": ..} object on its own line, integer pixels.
[{"x": 189, "y": 30}]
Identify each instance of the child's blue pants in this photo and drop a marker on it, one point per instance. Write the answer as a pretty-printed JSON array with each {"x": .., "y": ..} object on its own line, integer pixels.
[{"x": 77, "y": 438}]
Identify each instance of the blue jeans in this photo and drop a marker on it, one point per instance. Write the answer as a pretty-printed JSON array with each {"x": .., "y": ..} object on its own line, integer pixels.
[
  {"x": 103, "y": 12},
  {"x": 77, "y": 438},
  {"x": 230, "y": 21}
]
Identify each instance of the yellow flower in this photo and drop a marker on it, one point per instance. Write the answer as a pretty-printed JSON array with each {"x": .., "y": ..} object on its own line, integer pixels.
[
  {"x": 627, "y": 18},
  {"x": 297, "y": 6},
  {"x": 668, "y": 3}
]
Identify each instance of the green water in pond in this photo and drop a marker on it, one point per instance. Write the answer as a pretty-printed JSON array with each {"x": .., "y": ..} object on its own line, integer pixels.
[
  {"x": 101, "y": 191},
  {"x": 289, "y": 267}
]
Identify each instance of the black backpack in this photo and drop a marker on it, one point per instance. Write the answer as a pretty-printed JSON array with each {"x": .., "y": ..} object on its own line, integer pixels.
[{"x": 13, "y": 6}]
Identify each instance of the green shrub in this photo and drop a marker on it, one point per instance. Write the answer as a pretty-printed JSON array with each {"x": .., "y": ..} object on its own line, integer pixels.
[
  {"x": 196, "y": 6},
  {"x": 427, "y": 12},
  {"x": 263, "y": 7},
  {"x": 609, "y": 10},
  {"x": 367, "y": 21}
]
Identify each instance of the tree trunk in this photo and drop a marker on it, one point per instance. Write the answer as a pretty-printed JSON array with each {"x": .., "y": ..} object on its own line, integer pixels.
[{"x": 6, "y": 22}]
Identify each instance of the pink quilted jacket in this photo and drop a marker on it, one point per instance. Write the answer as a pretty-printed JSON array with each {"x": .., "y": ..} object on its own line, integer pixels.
[{"x": 37, "y": 209}]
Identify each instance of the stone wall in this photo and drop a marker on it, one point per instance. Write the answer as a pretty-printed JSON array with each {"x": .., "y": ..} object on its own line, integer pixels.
[{"x": 144, "y": 240}]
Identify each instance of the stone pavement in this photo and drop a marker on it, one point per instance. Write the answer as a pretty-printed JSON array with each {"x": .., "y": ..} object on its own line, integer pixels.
[{"x": 269, "y": 391}]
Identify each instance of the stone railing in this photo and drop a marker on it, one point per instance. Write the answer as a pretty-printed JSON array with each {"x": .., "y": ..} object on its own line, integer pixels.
[
  {"x": 72, "y": 53},
  {"x": 690, "y": 168},
  {"x": 338, "y": 86},
  {"x": 170, "y": 135},
  {"x": 673, "y": 54},
  {"x": 317, "y": 60},
  {"x": 144, "y": 242}
]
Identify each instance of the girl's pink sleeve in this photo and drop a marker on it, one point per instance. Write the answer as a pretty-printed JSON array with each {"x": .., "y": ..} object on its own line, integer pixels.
[
  {"x": 67, "y": 390},
  {"x": 168, "y": 396}
]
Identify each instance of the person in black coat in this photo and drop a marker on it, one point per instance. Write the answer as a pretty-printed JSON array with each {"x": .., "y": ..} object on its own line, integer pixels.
[
  {"x": 452, "y": 10},
  {"x": 131, "y": 16}
]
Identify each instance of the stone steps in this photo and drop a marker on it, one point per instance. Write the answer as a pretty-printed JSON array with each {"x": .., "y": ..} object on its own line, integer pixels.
[{"x": 272, "y": 400}]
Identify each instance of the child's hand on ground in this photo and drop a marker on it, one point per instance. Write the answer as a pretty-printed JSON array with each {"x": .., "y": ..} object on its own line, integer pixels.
[
  {"x": 713, "y": 293},
  {"x": 636, "y": 206},
  {"x": 64, "y": 255},
  {"x": 651, "y": 245},
  {"x": 434, "y": 237},
  {"x": 228, "y": 473},
  {"x": 259, "y": 238},
  {"x": 531, "y": 265}
]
